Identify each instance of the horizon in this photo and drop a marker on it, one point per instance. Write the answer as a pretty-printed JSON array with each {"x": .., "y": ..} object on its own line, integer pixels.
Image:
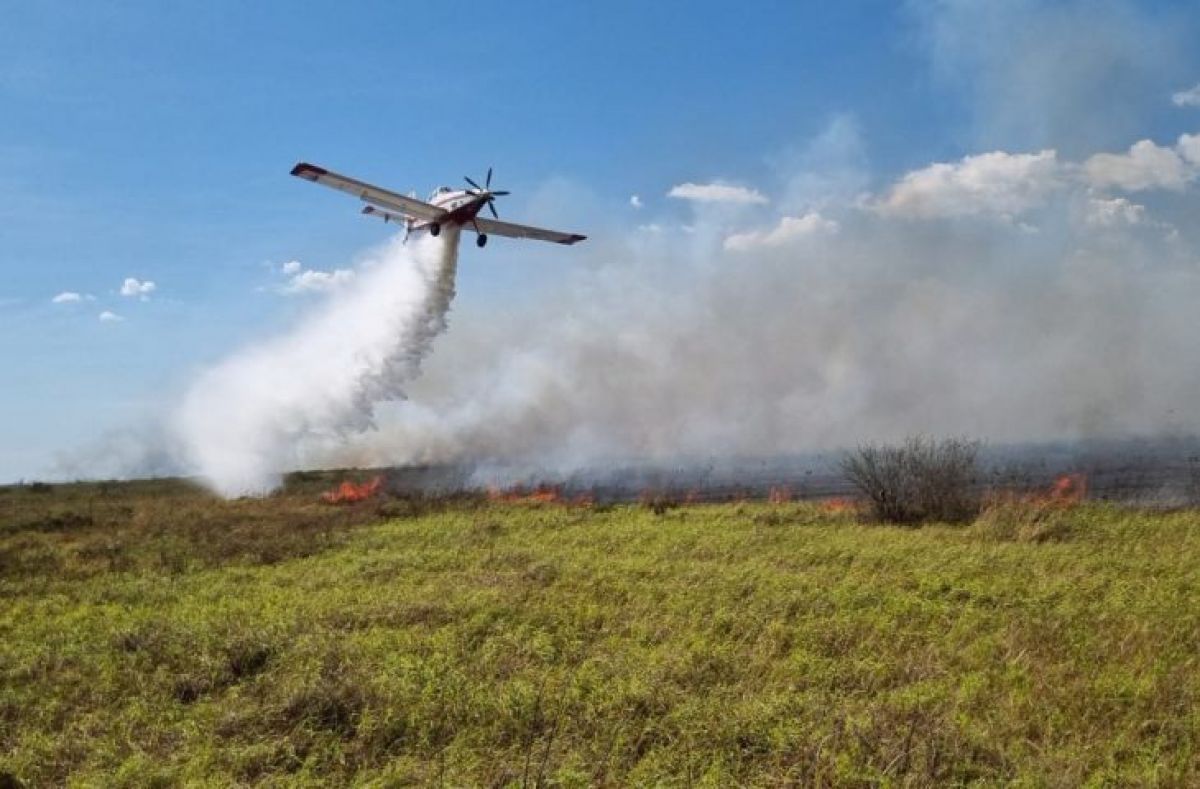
[{"x": 151, "y": 228}]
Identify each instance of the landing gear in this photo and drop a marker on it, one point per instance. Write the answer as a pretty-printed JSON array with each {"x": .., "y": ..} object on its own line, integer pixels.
[
  {"x": 481, "y": 240},
  {"x": 435, "y": 229}
]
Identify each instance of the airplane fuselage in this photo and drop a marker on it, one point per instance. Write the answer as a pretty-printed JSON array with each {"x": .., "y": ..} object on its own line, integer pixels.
[{"x": 461, "y": 208}]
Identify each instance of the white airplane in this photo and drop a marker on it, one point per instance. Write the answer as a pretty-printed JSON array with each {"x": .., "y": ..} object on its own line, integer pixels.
[{"x": 446, "y": 207}]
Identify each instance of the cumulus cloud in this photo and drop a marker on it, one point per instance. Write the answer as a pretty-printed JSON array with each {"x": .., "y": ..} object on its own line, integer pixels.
[
  {"x": 1145, "y": 166},
  {"x": 1189, "y": 148},
  {"x": 136, "y": 288},
  {"x": 717, "y": 193},
  {"x": 315, "y": 281},
  {"x": 1187, "y": 98},
  {"x": 108, "y": 316},
  {"x": 67, "y": 297},
  {"x": 789, "y": 230},
  {"x": 998, "y": 183},
  {"x": 635, "y": 201},
  {"x": 291, "y": 267},
  {"x": 1115, "y": 212}
]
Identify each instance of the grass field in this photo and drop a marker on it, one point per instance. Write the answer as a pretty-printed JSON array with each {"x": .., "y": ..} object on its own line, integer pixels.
[{"x": 152, "y": 635}]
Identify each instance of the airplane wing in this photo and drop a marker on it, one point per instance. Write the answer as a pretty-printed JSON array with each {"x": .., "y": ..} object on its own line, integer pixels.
[
  {"x": 386, "y": 216},
  {"x": 496, "y": 227},
  {"x": 368, "y": 193}
]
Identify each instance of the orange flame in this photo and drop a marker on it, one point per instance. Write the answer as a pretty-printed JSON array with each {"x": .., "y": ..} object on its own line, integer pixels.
[
  {"x": 349, "y": 492},
  {"x": 779, "y": 495},
  {"x": 542, "y": 494},
  {"x": 1067, "y": 490},
  {"x": 837, "y": 505}
]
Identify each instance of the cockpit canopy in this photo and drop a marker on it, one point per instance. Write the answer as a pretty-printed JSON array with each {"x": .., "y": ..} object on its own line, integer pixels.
[{"x": 441, "y": 190}]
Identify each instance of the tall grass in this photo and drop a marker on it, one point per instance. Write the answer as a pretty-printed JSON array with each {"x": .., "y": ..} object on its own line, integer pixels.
[{"x": 475, "y": 644}]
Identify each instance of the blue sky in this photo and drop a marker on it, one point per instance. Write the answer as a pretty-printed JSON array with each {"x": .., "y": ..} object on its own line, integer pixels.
[{"x": 153, "y": 141}]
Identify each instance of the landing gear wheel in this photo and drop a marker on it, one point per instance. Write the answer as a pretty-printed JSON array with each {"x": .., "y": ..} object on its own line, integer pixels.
[
  {"x": 435, "y": 229},
  {"x": 481, "y": 241}
]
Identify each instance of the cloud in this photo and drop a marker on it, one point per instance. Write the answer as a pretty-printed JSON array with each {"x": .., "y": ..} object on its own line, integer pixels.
[
  {"x": 789, "y": 230},
  {"x": 108, "y": 316},
  {"x": 67, "y": 297},
  {"x": 1187, "y": 98},
  {"x": 635, "y": 201},
  {"x": 998, "y": 183},
  {"x": 1145, "y": 166},
  {"x": 717, "y": 193},
  {"x": 1189, "y": 148},
  {"x": 135, "y": 288},
  {"x": 314, "y": 281},
  {"x": 1118, "y": 211}
]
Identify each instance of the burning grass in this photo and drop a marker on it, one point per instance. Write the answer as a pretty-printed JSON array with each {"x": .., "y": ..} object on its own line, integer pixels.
[{"x": 150, "y": 635}]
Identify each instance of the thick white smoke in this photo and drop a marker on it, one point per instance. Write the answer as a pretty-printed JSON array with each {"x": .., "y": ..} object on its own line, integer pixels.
[{"x": 276, "y": 404}]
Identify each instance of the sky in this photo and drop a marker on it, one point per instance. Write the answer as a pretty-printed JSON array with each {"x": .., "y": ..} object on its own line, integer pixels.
[{"x": 148, "y": 225}]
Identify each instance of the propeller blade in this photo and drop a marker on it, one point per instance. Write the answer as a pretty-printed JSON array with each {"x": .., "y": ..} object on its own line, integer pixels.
[
  {"x": 500, "y": 193},
  {"x": 488, "y": 182},
  {"x": 493, "y": 208},
  {"x": 472, "y": 183}
]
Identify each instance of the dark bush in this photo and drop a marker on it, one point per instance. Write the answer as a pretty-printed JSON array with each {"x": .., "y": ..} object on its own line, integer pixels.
[{"x": 919, "y": 481}]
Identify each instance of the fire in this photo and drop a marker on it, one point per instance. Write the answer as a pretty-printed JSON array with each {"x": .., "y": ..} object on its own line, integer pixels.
[
  {"x": 1067, "y": 490},
  {"x": 349, "y": 492},
  {"x": 542, "y": 494},
  {"x": 837, "y": 505}
]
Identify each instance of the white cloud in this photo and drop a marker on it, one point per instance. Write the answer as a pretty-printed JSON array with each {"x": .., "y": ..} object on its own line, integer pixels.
[
  {"x": 1000, "y": 183},
  {"x": 1187, "y": 98},
  {"x": 67, "y": 297},
  {"x": 717, "y": 193},
  {"x": 108, "y": 316},
  {"x": 635, "y": 201},
  {"x": 1118, "y": 211},
  {"x": 133, "y": 287},
  {"x": 1189, "y": 148},
  {"x": 789, "y": 229},
  {"x": 313, "y": 281},
  {"x": 291, "y": 267},
  {"x": 1145, "y": 166}
]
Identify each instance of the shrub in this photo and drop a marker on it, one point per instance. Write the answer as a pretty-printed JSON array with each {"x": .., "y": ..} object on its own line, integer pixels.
[{"x": 918, "y": 481}]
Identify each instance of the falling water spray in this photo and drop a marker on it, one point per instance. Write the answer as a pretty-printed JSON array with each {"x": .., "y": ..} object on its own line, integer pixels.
[{"x": 271, "y": 405}]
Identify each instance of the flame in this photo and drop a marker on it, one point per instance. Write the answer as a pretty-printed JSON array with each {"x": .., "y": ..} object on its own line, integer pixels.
[
  {"x": 349, "y": 492},
  {"x": 837, "y": 505},
  {"x": 542, "y": 494},
  {"x": 1067, "y": 490}
]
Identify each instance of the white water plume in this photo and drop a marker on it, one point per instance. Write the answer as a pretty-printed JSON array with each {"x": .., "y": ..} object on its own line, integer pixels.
[{"x": 268, "y": 406}]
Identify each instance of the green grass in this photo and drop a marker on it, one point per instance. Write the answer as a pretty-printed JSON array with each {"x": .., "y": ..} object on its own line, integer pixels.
[{"x": 154, "y": 635}]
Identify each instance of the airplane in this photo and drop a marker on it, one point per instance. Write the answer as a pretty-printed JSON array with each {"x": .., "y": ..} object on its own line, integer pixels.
[{"x": 446, "y": 207}]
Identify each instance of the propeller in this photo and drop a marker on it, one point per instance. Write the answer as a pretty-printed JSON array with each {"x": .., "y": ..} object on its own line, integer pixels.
[{"x": 486, "y": 189}]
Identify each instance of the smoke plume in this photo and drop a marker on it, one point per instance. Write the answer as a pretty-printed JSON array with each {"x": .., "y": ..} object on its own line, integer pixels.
[{"x": 282, "y": 403}]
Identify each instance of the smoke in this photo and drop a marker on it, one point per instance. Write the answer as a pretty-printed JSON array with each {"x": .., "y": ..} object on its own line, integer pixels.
[
  {"x": 281, "y": 403},
  {"x": 1040, "y": 286},
  {"x": 867, "y": 327}
]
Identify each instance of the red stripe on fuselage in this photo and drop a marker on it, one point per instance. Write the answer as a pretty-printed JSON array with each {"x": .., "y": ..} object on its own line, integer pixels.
[{"x": 465, "y": 212}]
